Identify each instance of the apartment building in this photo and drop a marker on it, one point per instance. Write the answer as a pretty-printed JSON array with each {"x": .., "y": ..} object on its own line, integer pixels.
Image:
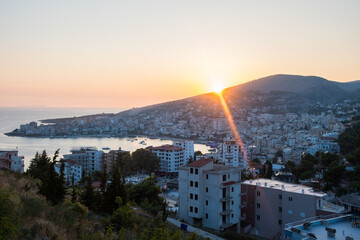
[
  {"x": 232, "y": 155},
  {"x": 111, "y": 157},
  {"x": 171, "y": 158},
  {"x": 210, "y": 195},
  {"x": 71, "y": 170},
  {"x": 268, "y": 205},
  {"x": 9, "y": 159},
  {"x": 89, "y": 158},
  {"x": 189, "y": 149}
]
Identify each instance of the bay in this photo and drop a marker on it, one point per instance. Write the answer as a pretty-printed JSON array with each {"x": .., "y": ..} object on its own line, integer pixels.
[{"x": 11, "y": 118}]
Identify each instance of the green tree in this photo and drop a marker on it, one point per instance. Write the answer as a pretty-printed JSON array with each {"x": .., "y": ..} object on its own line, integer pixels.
[
  {"x": 334, "y": 174},
  {"x": 87, "y": 196},
  {"x": 8, "y": 217},
  {"x": 145, "y": 161},
  {"x": 267, "y": 170}
]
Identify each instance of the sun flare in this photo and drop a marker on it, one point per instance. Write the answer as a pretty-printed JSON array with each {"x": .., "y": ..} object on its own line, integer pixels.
[{"x": 217, "y": 87}]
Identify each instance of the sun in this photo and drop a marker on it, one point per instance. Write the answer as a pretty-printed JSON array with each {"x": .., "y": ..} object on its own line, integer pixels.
[{"x": 217, "y": 87}]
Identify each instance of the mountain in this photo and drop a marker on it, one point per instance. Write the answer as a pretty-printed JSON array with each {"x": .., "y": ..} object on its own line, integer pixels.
[{"x": 311, "y": 87}]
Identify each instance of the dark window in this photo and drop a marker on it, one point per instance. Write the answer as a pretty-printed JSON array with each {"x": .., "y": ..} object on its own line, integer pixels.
[
  {"x": 196, "y": 171},
  {"x": 196, "y": 210},
  {"x": 191, "y": 196},
  {"x": 258, "y": 217},
  {"x": 191, "y": 170},
  {"x": 207, "y": 176},
  {"x": 232, "y": 189},
  {"x": 290, "y": 199},
  {"x": 280, "y": 221},
  {"x": 224, "y": 178},
  {"x": 196, "y": 184},
  {"x": 232, "y": 215},
  {"x": 232, "y": 202},
  {"x": 207, "y": 189},
  {"x": 258, "y": 205},
  {"x": 280, "y": 196},
  {"x": 207, "y": 216},
  {"x": 228, "y": 176},
  {"x": 191, "y": 183},
  {"x": 207, "y": 202},
  {"x": 191, "y": 209},
  {"x": 258, "y": 193},
  {"x": 196, "y": 197},
  {"x": 280, "y": 209}
]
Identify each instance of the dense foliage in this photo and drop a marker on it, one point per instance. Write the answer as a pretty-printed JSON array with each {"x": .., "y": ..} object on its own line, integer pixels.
[{"x": 349, "y": 142}]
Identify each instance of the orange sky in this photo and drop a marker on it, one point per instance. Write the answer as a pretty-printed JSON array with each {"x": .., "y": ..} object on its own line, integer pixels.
[{"x": 136, "y": 53}]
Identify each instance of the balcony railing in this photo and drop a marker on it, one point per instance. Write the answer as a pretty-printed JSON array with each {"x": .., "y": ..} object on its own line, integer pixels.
[
  {"x": 226, "y": 198},
  {"x": 226, "y": 211}
]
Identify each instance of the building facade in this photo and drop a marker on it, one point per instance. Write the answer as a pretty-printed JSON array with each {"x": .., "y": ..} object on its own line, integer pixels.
[
  {"x": 9, "y": 159},
  {"x": 268, "y": 205},
  {"x": 210, "y": 195},
  {"x": 189, "y": 149},
  {"x": 72, "y": 170},
  {"x": 89, "y": 158},
  {"x": 111, "y": 157},
  {"x": 171, "y": 158}
]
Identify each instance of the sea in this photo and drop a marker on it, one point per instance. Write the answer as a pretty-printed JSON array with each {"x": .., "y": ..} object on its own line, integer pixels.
[{"x": 11, "y": 118}]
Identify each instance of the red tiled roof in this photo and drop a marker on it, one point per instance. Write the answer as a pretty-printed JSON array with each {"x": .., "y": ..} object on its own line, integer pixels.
[
  {"x": 199, "y": 163},
  {"x": 167, "y": 148},
  {"x": 228, "y": 183}
]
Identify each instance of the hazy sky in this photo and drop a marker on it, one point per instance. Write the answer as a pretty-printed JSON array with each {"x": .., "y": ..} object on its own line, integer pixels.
[{"x": 135, "y": 53}]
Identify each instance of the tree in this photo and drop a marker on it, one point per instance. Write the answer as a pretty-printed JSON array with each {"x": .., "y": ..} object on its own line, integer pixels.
[
  {"x": 267, "y": 170},
  {"x": 87, "y": 197},
  {"x": 334, "y": 174},
  {"x": 145, "y": 160},
  {"x": 197, "y": 153},
  {"x": 52, "y": 183},
  {"x": 8, "y": 217}
]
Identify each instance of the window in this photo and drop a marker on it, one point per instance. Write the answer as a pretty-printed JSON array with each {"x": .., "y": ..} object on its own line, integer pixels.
[
  {"x": 196, "y": 184},
  {"x": 232, "y": 202},
  {"x": 207, "y": 216},
  {"x": 196, "y": 197},
  {"x": 258, "y": 205},
  {"x": 191, "y": 183},
  {"x": 224, "y": 178},
  {"x": 232, "y": 215},
  {"x": 280, "y": 209},
  {"x": 302, "y": 214},
  {"x": 290, "y": 212},
  {"x": 228, "y": 176},
  {"x": 191, "y": 196},
  {"x": 207, "y": 202},
  {"x": 207, "y": 176},
  {"x": 191, "y": 209},
  {"x": 196, "y": 210},
  {"x": 280, "y": 221},
  {"x": 290, "y": 199},
  {"x": 232, "y": 189},
  {"x": 191, "y": 170},
  {"x": 258, "y": 217},
  {"x": 207, "y": 189},
  {"x": 196, "y": 171},
  {"x": 280, "y": 196},
  {"x": 258, "y": 193}
]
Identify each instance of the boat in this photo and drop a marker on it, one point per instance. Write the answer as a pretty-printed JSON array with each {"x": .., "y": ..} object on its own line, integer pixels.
[
  {"x": 106, "y": 148},
  {"x": 143, "y": 142}
]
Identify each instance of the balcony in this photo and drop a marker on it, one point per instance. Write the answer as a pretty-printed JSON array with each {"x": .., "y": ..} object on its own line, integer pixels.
[
  {"x": 243, "y": 205},
  {"x": 243, "y": 217},
  {"x": 226, "y": 198},
  {"x": 242, "y": 194},
  {"x": 226, "y": 211}
]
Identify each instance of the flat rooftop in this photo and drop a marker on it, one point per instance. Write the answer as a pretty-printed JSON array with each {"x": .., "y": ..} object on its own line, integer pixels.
[
  {"x": 282, "y": 186},
  {"x": 345, "y": 226}
]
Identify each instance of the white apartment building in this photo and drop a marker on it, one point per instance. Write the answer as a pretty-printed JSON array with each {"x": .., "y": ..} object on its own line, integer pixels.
[
  {"x": 89, "y": 158},
  {"x": 189, "y": 149},
  {"x": 111, "y": 157},
  {"x": 171, "y": 157},
  {"x": 268, "y": 205},
  {"x": 232, "y": 155},
  {"x": 9, "y": 159},
  {"x": 71, "y": 170},
  {"x": 210, "y": 195}
]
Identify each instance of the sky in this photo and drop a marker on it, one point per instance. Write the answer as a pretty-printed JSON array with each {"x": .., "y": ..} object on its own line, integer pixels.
[{"x": 134, "y": 53}]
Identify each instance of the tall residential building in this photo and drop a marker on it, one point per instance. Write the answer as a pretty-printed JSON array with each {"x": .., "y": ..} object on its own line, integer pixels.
[
  {"x": 232, "y": 155},
  {"x": 171, "y": 158},
  {"x": 89, "y": 158},
  {"x": 9, "y": 159},
  {"x": 268, "y": 205},
  {"x": 189, "y": 149},
  {"x": 210, "y": 195},
  {"x": 71, "y": 170},
  {"x": 111, "y": 157}
]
